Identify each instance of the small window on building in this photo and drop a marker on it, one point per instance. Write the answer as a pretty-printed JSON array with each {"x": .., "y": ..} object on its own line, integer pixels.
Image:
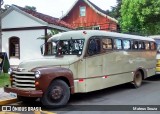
[
  {"x": 96, "y": 27},
  {"x": 82, "y": 11},
  {"x": 147, "y": 46},
  {"x": 80, "y": 28},
  {"x": 118, "y": 44},
  {"x": 126, "y": 44},
  {"x": 107, "y": 43},
  {"x": 14, "y": 48}
]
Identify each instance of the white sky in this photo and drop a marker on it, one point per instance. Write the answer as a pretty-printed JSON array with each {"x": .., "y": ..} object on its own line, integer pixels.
[{"x": 56, "y": 7}]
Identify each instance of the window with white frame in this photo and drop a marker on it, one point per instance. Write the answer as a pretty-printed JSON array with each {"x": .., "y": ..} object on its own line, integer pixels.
[{"x": 82, "y": 10}]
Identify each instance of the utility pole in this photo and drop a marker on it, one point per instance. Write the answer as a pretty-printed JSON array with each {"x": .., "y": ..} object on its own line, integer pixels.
[{"x": 1, "y": 3}]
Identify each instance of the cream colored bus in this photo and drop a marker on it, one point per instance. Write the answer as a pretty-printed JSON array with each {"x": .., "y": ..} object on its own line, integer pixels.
[
  {"x": 157, "y": 40},
  {"x": 83, "y": 61}
]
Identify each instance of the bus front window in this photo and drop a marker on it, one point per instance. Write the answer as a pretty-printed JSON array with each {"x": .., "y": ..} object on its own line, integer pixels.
[{"x": 63, "y": 47}]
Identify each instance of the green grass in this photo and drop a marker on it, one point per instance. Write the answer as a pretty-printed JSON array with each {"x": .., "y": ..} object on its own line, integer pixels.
[{"x": 4, "y": 80}]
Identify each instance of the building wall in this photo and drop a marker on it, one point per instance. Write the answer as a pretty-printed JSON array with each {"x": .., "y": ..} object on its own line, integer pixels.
[
  {"x": 29, "y": 44},
  {"x": 15, "y": 20},
  {"x": 91, "y": 19}
]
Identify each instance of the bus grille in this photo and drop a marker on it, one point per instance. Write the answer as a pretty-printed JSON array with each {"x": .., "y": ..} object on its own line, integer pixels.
[{"x": 25, "y": 81}]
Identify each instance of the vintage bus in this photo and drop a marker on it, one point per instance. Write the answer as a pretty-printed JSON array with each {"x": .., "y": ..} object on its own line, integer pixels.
[
  {"x": 157, "y": 39},
  {"x": 83, "y": 61}
]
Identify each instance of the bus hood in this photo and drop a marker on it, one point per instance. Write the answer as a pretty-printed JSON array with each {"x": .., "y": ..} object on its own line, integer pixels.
[{"x": 47, "y": 62}]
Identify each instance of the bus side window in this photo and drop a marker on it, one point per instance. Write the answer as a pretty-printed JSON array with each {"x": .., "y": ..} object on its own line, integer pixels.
[
  {"x": 94, "y": 46},
  {"x": 118, "y": 44},
  {"x": 135, "y": 45},
  {"x": 147, "y": 45},
  {"x": 141, "y": 45},
  {"x": 153, "y": 46},
  {"x": 126, "y": 44},
  {"x": 107, "y": 43}
]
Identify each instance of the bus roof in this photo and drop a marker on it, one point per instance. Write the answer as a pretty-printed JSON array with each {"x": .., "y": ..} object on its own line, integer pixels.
[
  {"x": 155, "y": 36},
  {"x": 86, "y": 34}
]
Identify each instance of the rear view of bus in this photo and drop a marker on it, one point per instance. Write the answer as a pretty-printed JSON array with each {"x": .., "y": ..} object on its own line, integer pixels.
[{"x": 157, "y": 39}]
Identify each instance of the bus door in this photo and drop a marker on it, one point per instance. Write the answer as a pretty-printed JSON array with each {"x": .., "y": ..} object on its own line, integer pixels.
[{"x": 94, "y": 65}]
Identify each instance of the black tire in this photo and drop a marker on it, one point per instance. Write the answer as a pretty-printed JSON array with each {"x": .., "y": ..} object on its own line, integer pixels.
[
  {"x": 27, "y": 99},
  {"x": 57, "y": 95},
  {"x": 137, "y": 81}
]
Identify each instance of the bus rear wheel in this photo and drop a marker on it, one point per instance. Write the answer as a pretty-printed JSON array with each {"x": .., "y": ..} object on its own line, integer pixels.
[
  {"x": 137, "y": 81},
  {"x": 57, "y": 95}
]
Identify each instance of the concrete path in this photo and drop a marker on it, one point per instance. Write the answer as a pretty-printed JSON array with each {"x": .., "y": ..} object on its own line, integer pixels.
[{"x": 6, "y": 98}]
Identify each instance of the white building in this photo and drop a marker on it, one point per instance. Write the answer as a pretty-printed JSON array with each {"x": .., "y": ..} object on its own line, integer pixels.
[{"x": 20, "y": 30}]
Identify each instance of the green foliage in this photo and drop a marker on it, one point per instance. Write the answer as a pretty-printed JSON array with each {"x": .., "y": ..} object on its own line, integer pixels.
[
  {"x": 115, "y": 10},
  {"x": 54, "y": 31},
  {"x": 30, "y": 8},
  {"x": 140, "y": 16},
  {"x": 49, "y": 34},
  {"x": 4, "y": 80}
]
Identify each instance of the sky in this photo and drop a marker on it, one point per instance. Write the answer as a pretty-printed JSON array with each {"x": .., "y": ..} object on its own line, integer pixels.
[{"x": 57, "y": 8}]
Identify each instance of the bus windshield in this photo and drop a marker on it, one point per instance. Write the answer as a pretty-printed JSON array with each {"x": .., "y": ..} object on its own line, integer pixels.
[
  {"x": 158, "y": 45},
  {"x": 63, "y": 47}
]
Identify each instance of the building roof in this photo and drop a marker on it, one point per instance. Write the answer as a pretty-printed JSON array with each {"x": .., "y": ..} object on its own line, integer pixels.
[
  {"x": 42, "y": 17},
  {"x": 94, "y": 7}
]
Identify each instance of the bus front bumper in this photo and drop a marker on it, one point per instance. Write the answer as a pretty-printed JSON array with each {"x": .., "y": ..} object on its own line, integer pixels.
[{"x": 25, "y": 93}]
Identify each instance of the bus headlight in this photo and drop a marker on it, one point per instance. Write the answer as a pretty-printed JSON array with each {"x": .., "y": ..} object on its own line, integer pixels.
[
  {"x": 37, "y": 74},
  {"x": 10, "y": 71}
]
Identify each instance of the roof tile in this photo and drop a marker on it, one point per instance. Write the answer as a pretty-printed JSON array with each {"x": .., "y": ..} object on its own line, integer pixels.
[{"x": 46, "y": 18}]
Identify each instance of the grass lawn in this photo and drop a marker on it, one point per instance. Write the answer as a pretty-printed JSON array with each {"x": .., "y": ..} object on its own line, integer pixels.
[{"x": 4, "y": 80}]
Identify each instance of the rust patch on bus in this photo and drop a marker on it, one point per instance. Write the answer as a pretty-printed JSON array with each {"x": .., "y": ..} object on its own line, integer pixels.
[{"x": 48, "y": 74}]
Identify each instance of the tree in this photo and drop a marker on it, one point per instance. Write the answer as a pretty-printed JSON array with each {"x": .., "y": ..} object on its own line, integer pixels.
[
  {"x": 140, "y": 16},
  {"x": 49, "y": 34},
  {"x": 115, "y": 10},
  {"x": 30, "y": 8}
]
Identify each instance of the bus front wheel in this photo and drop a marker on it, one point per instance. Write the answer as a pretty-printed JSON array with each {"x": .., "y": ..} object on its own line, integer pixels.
[
  {"x": 57, "y": 94},
  {"x": 137, "y": 81}
]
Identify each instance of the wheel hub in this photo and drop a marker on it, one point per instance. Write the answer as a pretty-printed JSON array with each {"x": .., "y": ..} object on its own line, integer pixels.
[
  {"x": 138, "y": 79},
  {"x": 56, "y": 93}
]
